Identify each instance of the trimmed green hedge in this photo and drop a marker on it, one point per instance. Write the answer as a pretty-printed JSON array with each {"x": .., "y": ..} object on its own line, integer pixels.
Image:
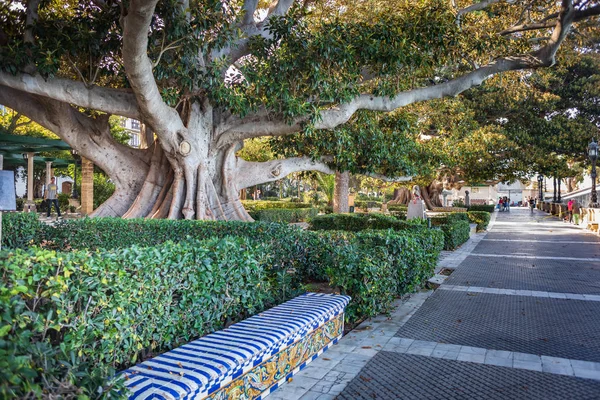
[
  {"x": 127, "y": 291},
  {"x": 69, "y": 321},
  {"x": 376, "y": 266},
  {"x": 257, "y": 205},
  {"x": 449, "y": 218},
  {"x": 481, "y": 218},
  {"x": 397, "y": 207},
  {"x": 360, "y": 222},
  {"x": 366, "y": 204},
  {"x": 283, "y": 215},
  {"x": 20, "y": 230},
  {"x": 455, "y": 234},
  {"x": 482, "y": 207}
]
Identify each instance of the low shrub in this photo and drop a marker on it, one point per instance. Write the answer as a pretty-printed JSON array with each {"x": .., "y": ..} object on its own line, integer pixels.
[
  {"x": 376, "y": 266},
  {"x": 455, "y": 234},
  {"x": 295, "y": 256},
  {"x": 482, "y": 207},
  {"x": 63, "y": 202},
  {"x": 257, "y": 205},
  {"x": 364, "y": 272},
  {"x": 41, "y": 205},
  {"x": 20, "y": 230},
  {"x": 481, "y": 218},
  {"x": 20, "y": 203},
  {"x": 69, "y": 321},
  {"x": 448, "y": 218},
  {"x": 449, "y": 209},
  {"x": 366, "y": 204},
  {"x": 284, "y": 215},
  {"x": 360, "y": 222},
  {"x": 397, "y": 207}
]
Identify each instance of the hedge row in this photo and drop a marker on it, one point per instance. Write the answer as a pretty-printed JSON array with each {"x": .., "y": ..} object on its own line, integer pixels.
[
  {"x": 257, "y": 205},
  {"x": 481, "y": 218},
  {"x": 69, "y": 321},
  {"x": 295, "y": 256},
  {"x": 455, "y": 227},
  {"x": 283, "y": 215},
  {"x": 366, "y": 204},
  {"x": 20, "y": 229},
  {"x": 360, "y": 222},
  {"x": 482, "y": 207},
  {"x": 397, "y": 207}
]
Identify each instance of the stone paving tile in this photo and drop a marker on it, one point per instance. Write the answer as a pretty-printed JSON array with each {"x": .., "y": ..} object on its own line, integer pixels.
[
  {"x": 528, "y": 274},
  {"x": 405, "y": 376},
  {"x": 539, "y": 249},
  {"x": 553, "y": 327}
]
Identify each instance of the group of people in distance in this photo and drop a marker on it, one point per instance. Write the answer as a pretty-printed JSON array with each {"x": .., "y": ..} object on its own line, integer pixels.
[
  {"x": 573, "y": 212},
  {"x": 503, "y": 204}
]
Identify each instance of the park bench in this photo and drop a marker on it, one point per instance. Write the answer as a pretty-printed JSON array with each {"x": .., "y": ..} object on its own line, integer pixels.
[{"x": 247, "y": 360}]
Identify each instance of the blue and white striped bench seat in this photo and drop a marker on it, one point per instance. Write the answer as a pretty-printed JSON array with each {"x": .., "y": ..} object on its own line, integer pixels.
[{"x": 247, "y": 360}]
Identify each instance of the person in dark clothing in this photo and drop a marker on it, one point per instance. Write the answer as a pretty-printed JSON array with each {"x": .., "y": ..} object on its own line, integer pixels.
[{"x": 51, "y": 197}]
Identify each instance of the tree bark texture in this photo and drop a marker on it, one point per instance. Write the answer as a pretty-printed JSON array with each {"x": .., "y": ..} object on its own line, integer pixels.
[{"x": 340, "y": 195}]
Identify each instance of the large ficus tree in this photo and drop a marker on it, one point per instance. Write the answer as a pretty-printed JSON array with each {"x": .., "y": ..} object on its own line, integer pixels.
[{"x": 205, "y": 76}]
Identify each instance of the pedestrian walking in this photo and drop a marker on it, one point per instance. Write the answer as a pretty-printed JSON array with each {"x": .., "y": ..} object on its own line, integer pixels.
[
  {"x": 570, "y": 211},
  {"x": 576, "y": 212},
  {"x": 531, "y": 204},
  {"x": 50, "y": 196}
]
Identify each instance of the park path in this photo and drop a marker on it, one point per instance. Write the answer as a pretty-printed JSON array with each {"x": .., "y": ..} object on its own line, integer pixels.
[{"x": 519, "y": 318}]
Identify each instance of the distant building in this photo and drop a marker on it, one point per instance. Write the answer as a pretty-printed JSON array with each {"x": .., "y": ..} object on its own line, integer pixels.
[{"x": 133, "y": 128}]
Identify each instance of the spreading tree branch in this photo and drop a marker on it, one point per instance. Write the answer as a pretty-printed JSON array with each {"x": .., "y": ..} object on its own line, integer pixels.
[
  {"x": 163, "y": 119},
  {"x": 256, "y": 173},
  {"x": 547, "y": 22},
  {"x": 108, "y": 100},
  {"x": 261, "y": 124}
]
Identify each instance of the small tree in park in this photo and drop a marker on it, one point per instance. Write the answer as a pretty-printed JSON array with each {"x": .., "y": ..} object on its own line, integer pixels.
[{"x": 205, "y": 76}]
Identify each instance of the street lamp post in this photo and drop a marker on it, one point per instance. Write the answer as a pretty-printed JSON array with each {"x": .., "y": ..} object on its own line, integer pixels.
[
  {"x": 593, "y": 154},
  {"x": 540, "y": 187}
]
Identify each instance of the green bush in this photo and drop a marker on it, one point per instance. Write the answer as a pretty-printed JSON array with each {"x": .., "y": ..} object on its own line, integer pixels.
[
  {"x": 69, "y": 321},
  {"x": 397, "y": 207},
  {"x": 366, "y": 204},
  {"x": 363, "y": 272},
  {"x": 455, "y": 234},
  {"x": 482, "y": 207},
  {"x": 63, "y": 202},
  {"x": 20, "y": 203},
  {"x": 481, "y": 218},
  {"x": 360, "y": 222},
  {"x": 20, "y": 230},
  {"x": 449, "y": 218},
  {"x": 283, "y": 215},
  {"x": 258, "y": 205},
  {"x": 374, "y": 267},
  {"x": 295, "y": 256}
]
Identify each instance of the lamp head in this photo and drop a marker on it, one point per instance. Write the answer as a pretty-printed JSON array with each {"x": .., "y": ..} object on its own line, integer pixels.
[{"x": 593, "y": 150}]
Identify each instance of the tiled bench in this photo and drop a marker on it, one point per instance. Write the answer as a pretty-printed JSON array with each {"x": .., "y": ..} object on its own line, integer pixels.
[{"x": 249, "y": 359}]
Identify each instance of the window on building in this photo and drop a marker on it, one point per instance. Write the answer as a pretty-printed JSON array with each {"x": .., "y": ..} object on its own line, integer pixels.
[
  {"x": 134, "y": 139},
  {"x": 475, "y": 190},
  {"x": 135, "y": 124}
]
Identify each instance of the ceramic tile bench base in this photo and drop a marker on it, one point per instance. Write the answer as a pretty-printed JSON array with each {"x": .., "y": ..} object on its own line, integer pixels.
[
  {"x": 267, "y": 377},
  {"x": 249, "y": 359}
]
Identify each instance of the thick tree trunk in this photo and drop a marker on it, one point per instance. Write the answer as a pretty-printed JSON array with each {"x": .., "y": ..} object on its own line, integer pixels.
[
  {"x": 340, "y": 195},
  {"x": 401, "y": 196}
]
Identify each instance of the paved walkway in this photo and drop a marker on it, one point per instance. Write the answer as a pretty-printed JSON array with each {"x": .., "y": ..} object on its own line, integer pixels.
[{"x": 519, "y": 318}]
